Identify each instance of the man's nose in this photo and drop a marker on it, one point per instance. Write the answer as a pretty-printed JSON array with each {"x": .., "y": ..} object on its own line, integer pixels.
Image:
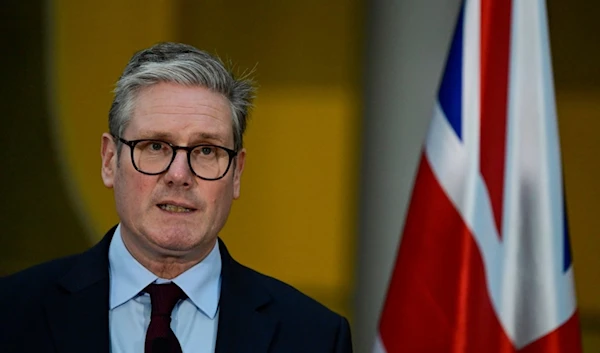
[{"x": 179, "y": 173}]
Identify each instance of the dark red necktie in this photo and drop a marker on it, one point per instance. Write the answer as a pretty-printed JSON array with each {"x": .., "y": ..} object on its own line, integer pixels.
[{"x": 159, "y": 337}]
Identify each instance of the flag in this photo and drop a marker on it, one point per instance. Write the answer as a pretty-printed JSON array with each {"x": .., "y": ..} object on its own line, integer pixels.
[{"x": 484, "y": 263}]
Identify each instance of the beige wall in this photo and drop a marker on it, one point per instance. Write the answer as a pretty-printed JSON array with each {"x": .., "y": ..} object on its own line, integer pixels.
[
  {"x": 573, "y": 28},
  {"x": 579, "y": 111}
]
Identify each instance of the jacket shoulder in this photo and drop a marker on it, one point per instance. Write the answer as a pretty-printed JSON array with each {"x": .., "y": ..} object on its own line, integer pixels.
[
  {"x": 292, "y": 302},
  {"x": 26, "y": 284}
]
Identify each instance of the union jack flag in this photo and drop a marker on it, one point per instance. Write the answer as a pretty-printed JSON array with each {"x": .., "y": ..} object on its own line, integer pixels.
[{"x": 484, "y": 263}]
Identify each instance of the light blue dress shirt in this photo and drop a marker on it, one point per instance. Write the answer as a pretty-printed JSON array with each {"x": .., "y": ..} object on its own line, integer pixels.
[{"x": 194, "y": 320}]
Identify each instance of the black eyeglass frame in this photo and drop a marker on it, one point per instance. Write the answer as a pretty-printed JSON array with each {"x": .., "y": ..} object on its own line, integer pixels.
[{"x": 188, "y": 149}]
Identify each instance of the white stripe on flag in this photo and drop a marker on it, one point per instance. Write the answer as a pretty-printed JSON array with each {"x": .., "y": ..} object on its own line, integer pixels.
[{"x": 378, "y": 347}]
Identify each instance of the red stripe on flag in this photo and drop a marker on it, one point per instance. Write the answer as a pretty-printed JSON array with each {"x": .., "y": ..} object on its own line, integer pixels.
[
  {"x": 437, "y": 299},
  {"x": 495, "y": 46},
  {"x": 565, "y": 339}
]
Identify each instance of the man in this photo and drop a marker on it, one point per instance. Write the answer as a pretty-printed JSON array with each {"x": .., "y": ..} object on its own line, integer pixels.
[{"x": 162, "y": 280}]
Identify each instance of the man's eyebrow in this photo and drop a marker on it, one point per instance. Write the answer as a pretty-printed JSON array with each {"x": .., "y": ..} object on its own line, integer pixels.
[
  {"x": 207, "y": 136},
  {"x": 160, "y": 135},
  {"x": 155, "y": 135}
]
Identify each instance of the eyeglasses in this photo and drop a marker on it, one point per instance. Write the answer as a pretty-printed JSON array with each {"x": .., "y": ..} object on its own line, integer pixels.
[{"x": 153, "y": 157}]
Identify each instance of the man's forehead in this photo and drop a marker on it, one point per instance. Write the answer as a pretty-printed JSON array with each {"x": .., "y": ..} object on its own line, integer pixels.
[
  {"x": 173, "y": 99},
  {"x": 160, "y": 91}
]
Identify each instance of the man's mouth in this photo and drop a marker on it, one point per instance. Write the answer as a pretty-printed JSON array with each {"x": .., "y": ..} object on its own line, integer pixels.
[{"x": 175, "y": 208}]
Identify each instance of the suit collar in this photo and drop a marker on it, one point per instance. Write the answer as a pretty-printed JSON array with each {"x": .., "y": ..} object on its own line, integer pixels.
[
  {"x": 244, "y": 325},
  {"x": 77, "y": 308}
]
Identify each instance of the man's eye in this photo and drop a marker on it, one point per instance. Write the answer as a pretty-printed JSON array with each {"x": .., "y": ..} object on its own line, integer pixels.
[
  {"x": 155, "y": 146},
  {"x": 206, "y": 150}
]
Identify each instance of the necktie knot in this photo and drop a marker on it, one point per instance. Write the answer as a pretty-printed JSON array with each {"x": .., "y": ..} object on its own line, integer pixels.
[{"x": 164, "y": 297}]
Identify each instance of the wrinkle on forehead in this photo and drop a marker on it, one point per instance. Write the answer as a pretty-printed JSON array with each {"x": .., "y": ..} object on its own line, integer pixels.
[
  {"x": 170, "y": 111},
  {"x": 182, "y": 100}
]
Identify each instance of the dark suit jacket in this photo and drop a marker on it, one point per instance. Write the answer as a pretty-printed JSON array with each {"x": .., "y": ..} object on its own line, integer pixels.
[{"x": 62, "y": 306}]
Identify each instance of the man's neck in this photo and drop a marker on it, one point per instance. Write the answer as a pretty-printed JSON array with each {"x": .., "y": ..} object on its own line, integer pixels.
[{"x": 163, "y": 264}]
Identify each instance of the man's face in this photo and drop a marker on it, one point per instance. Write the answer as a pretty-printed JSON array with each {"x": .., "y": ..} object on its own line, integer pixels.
[{"x": 183, "y": 116}]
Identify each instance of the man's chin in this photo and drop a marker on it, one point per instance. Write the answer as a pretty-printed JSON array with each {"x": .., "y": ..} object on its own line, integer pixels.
[{"x": 179, "y": 244}]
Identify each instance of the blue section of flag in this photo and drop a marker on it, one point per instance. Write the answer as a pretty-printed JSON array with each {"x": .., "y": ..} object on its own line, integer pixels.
[
  {"x": 450, "y": 93},
  {"x": 567, "y": 259}
]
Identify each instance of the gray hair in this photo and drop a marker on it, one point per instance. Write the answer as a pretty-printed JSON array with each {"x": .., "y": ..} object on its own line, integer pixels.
[{"x": 185, "y": 65}]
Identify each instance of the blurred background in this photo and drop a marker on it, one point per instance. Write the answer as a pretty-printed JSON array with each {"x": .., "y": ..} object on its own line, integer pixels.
[{"x": 354, "y": 80}]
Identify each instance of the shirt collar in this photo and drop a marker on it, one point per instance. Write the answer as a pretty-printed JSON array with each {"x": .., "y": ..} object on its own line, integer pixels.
[{"x": 201, "y": 283}]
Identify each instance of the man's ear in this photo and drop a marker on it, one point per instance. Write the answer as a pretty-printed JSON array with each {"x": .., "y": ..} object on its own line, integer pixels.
[
  {"x": 237, "y": 175},
  {"x": 108, "y": 152}
]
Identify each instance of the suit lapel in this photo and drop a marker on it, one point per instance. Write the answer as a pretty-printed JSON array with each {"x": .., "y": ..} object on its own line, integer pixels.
[
  {"x": 77, "y": 307},
  {"x": 243, "y": 324}
]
